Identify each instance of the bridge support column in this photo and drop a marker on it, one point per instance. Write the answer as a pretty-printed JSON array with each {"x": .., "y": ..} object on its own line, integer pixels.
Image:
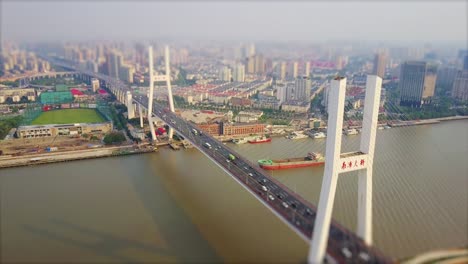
[
  {"x": 130, "y": 107},
  {"x": 140, "y": 113},
  {"x": 369, "y": 131},
  {"x": 169, "y": 88},
  {"x": 151, "y": 92},
  {"x": 337, "y": 163}
]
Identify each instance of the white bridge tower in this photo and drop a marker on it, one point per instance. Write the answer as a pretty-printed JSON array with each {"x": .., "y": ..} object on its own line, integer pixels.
[
  {"x": 151, "y": 94},
  {"x": 169, "y": 88},
  {"x": 337, "y": 163},
  {"x": 151, "y": 91}
]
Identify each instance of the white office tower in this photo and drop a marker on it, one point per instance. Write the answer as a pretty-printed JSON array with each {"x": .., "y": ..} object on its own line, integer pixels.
[
  {"x": 281, "y": 92},
  {"x": 303, "y": 85},
  {"x": 325, "y": 99},
  {"x": 338, "y": 163},
  {"x": 225, "y": 74},
  {"x": 239, "y": 73},
  {"x": 251, "y": 51},
  {"x": 295, "y": 69},
  {"x": 95, "y": 84},
  {"x": 307, "y": 69},
  {"x": 283, "y": 70}
]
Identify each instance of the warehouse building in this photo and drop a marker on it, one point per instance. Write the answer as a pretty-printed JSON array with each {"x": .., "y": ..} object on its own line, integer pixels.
[{"x": 41, "y": 131}]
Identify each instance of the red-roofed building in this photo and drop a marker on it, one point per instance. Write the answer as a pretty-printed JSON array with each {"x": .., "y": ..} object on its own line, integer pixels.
[
  {"x": 76, "y": 92},
  {"x": 102, "y": 92}
]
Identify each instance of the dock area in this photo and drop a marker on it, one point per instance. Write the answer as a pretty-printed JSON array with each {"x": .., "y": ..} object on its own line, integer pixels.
[
  {"x": 427, "y": 121},
  {"x": 174, "y": 146},
  {"x": 9, "y": 161}
]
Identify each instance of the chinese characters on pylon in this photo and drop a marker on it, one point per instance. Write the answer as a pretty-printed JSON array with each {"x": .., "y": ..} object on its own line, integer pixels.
[{"x": 351, "y": 164}]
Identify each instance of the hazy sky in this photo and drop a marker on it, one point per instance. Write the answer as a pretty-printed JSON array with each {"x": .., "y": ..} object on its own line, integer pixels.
[{"x": 428, "y": 21}]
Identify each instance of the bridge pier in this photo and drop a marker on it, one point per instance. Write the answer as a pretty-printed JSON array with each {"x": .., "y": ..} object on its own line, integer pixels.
[
  {"x": 140, "y": 112},
  {"x": 367, "y": 145},
  {"x": 130, "y": 107}
]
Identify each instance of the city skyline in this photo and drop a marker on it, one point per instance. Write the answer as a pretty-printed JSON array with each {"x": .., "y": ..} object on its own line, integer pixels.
[
  {"x": 374, "y": 90},
  {"x": 277, "y": 21}
]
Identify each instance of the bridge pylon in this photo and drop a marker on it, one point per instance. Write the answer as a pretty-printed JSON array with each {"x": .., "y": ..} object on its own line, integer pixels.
[
  {"x": 151, "y": 93},
  {"x": 337, "y": 163},
  {"x": 169, "y": 88}
]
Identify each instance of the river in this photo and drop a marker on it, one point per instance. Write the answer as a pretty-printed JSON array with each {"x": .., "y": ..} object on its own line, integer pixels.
[{"x": 177, "y": 206}]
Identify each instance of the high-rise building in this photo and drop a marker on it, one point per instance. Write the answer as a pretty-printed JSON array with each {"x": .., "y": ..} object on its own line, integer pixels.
[
  {"x": 251, "y": 51},
  {"x": 295, "y": 69},
  {"x": 239, "y": 73},
  {"x": 412, "y": 80},
  {"x": 326, "y": 92},
  {"x": 114, "y": 61},
  {"x": 445, "y": 77},
  {"x": 460, "y": 86},
  {"x": 302, "y": 86},
  {"x": 462, "y": 59},
  {"x": 339, "y": 62},
  {"x": 225, "y": 74},
  {"x": 92, "y": 66},
  {"x": 290, "y": 89},
  {"x": 100, "y": 53},
  {"x": 95, "y": 84},
  {"x": 380, "y": 61},
  {"x": 283, "y": 70},
  {"x": 307, "y": 69},
  {"x": 429, "y": 86},
  {"x": 281, "y": 92},
  {"x": 251, "y": 65},
  {"x": 259, "y": 64},
  {"x": 268, "y": 64},
  {"x": 126, "y": 73}
]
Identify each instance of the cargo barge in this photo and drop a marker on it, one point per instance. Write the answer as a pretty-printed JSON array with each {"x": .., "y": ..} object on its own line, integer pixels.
[{"x": 312, "y": 159}]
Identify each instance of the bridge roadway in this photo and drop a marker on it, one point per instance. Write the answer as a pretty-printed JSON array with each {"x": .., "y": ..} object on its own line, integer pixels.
[{"x": 343, "y": 245}]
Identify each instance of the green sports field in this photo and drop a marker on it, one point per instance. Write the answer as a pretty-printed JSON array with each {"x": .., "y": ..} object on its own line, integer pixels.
[{"x": 68, "y": 116}]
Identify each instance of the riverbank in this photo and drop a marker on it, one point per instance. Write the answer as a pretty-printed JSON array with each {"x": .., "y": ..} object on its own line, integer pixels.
[
  {"x": 426, "y": 121},
  {"x": 53, "y": 157}
]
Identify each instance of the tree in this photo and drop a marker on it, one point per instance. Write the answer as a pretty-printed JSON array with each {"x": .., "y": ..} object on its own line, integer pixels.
[
  {"x": 24, "y": 99},
  {"x": 9, "y": 123},
  {"x": 114, "y": 138}
]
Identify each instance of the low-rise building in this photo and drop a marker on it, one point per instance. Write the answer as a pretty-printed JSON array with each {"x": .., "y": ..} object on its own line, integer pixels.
[
  {"x": 95, "y": 84},
  {"x": 296, "y": 106},
  {"x": 229, "y": 129},
  {"x": 267, "y": 102},
  {"x": 40, "y": 131},
  {"x": 236, "y": 101},
  {"x": 212, "y": 129},
  {"x": 241, "y": 129},
  {"x": 248, "y": 116},
  {"x": 17, "y": 94}
]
